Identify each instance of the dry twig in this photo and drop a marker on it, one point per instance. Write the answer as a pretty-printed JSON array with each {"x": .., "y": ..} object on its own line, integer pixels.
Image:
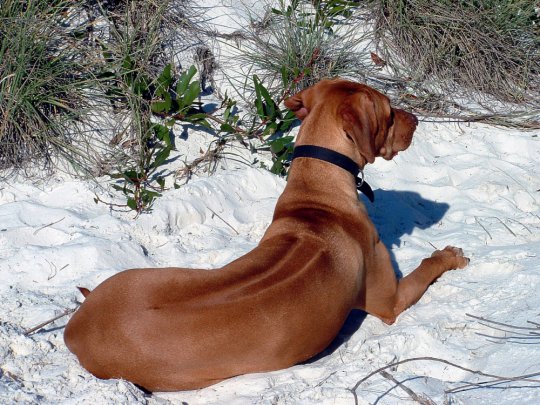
[
  {"x": 226, "y": 223},
  {"x": 513, "y": 334},
  {"x": 41, "y": 325},
  {"x": 496, "y": 379},
  {"x": 46, "y": 226},
  {"x": 412, "y": 394}
]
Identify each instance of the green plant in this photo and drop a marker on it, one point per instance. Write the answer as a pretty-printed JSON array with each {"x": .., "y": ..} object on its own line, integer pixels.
[
  {"x": 300, "y": 44},
  {"x": 273, "y": 123},
  {"x": 175, "y": 100},
  {"x": 296, "y": 45},
  {"x": 133, "y": 79},
  {"x": 144, "y": 183},
  {"x": 268, "y": 123},
  {"x": 45, "y": 79},
  {"x": 323, "y": 13},
  {"x": 142, "y": 179}
]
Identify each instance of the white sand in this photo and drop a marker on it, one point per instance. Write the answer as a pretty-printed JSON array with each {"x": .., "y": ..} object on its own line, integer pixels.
[
  {"x": 452, "y": 183},
  {"x": 472, "y": 186}
]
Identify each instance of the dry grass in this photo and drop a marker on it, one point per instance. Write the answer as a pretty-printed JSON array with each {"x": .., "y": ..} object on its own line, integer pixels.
[
  {"x": 293, "y": 47},
  {"x": 486, "y": 51}
]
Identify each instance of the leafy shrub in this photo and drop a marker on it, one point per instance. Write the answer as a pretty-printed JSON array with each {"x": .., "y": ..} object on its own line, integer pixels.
[
  {"x": 136, "y": 81},
  {"x": 142, "y": 179},
  {"x": 274, "y": 122},
  {"x": 291, "y": 47}
]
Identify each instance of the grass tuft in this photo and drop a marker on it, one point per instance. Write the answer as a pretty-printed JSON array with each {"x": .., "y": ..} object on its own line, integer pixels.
[
  {"x": 489, "y": 48},
  {"x": 296, "y": 44},
  {"x": 43, "y": 82}
]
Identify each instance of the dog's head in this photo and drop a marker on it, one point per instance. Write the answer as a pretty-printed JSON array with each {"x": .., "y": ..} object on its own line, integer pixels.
[{"x": 368, "y": 121}]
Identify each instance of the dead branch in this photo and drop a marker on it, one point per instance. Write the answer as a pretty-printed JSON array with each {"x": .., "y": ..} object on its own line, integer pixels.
[
  {"x": 412, "y": 394},
  {"x": 226, "y": 223},
  {"x": 505, "y": 324},
  {"x": 517, "y": 334},
  {"x": 46, "y": 226},
  {"x": 41, "y": 325},
  {"x": 483, "y": 227},
  {"x": 211, "y": 155},
  {"x": 495, "y": 378}
]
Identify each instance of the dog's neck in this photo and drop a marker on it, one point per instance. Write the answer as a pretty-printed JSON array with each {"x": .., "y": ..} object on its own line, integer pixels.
[
  {"x": 338, "y": 159},
  {"x": 323, "y": 179}
]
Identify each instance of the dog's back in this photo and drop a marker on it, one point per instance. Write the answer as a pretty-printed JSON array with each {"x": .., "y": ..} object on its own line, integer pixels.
[{"x": 173, "y": 329}]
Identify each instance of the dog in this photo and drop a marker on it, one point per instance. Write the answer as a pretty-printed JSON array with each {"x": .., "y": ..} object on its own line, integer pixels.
[{"x": 284, "y": 302}]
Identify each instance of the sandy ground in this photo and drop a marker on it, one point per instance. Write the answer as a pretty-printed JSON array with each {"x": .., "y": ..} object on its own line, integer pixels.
[{"x": 472, "y": 186}]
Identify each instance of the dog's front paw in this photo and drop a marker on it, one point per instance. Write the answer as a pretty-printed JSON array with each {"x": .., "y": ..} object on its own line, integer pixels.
[{"x": 453, "y": 256}]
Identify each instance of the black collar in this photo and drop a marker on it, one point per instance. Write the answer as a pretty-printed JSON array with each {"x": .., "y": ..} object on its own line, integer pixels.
[{"x": 336, "y": 158}]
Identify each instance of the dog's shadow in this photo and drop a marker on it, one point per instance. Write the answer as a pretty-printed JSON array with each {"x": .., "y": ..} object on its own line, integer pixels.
[
  {"x": 398, "y": 213},
  {"x": 395, "y": 214}
]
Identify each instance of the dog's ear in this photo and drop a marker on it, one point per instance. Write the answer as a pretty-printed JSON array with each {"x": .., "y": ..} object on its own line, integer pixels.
[
  {"x": 360, "y": 124},
  {"x": 296, "y": 105}
]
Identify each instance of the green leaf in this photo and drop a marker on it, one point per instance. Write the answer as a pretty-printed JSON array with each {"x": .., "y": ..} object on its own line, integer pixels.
[
  {"x": 270, "y": 103},
  {"x": 163, "y": 134},
  {"x": 164, "y": 80},
  {"x": 118, "y": 188},
  {"x": 280, "y": 144},
  {"x": 270, "y": 129},
  {"x": 163, "y": 105},
  {"x": 132, "y": 204},
  {"x": 227, "y": 113},
  {"x": 266, "y": 106},
  {"x": 159, "y": 131},
  {"x": 185, "y": 78},
  {"x": 204, "y": 123},
  {"x": 198, "y": 118},
  {"x": 191, "y": 94},
  {"x": 140, "y": 86},
  {"x": 277, "y": 167},
  {"x": 284, "y": 76},
  {"x": 258, "y": 98},
  {"x": 287, "y": 121},
  {"x": 127, "y": 64},
  {"x": 161, "y": 157},
  {"x": 152, "y": 194},
  {"x": 148, "y": 196},
  {"x": 225, "y": 127},
  {"x": 131, "y": 175}
]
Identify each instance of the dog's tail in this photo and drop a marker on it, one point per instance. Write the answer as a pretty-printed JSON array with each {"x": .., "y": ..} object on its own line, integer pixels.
[{"x": 84, "y": 291}]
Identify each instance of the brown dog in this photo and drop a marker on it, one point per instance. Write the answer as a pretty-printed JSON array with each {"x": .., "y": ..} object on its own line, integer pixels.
[{"x": 282, "y": 303}]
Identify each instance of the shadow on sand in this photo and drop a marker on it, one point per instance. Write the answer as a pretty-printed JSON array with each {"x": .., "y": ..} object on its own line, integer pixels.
[{"x": 395, "y": 214}]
